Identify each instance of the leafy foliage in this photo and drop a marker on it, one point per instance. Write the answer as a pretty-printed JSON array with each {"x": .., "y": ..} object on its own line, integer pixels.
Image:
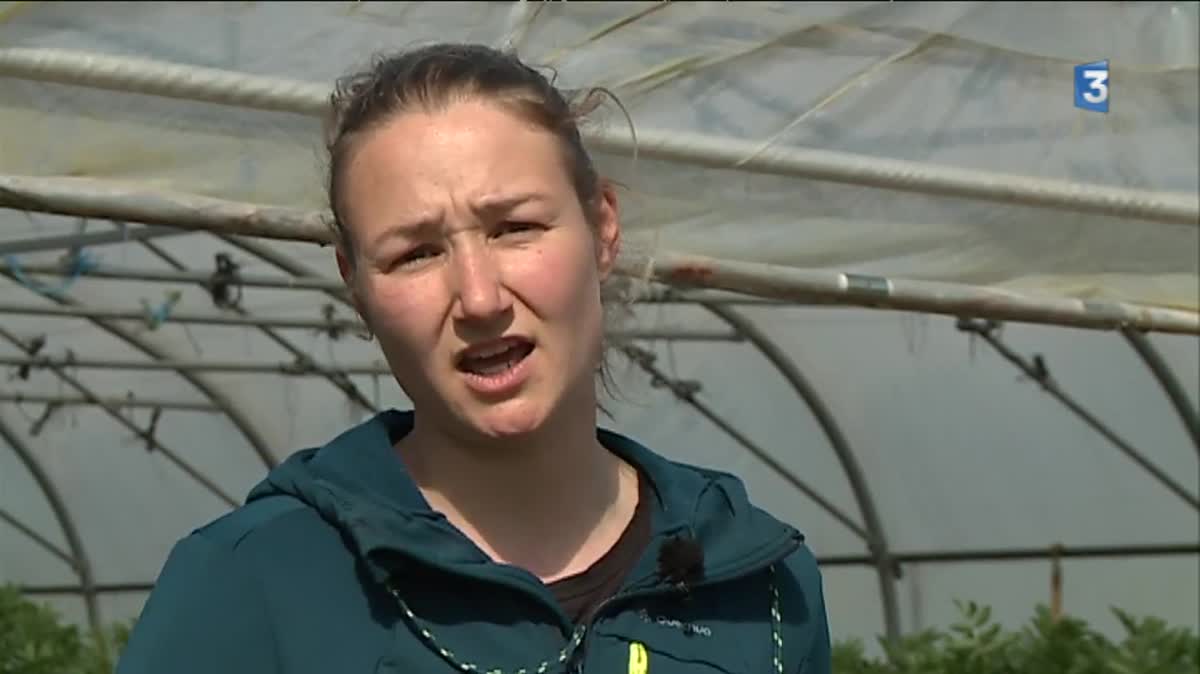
[
  {"x": 978, "y": 645},
  {"x": 34, "y": 641}
]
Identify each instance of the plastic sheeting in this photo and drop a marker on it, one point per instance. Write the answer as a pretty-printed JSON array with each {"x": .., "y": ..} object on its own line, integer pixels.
[
  {"x": 973, "y": 85},
  {"x": 958, "y": 451}
]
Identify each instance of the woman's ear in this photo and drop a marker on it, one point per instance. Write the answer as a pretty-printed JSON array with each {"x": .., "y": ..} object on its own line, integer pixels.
[{"x": 608, "y": 229}]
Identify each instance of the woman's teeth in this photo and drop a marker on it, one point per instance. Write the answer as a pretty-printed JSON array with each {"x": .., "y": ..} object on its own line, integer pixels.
[{"x": 495, "y": 360}]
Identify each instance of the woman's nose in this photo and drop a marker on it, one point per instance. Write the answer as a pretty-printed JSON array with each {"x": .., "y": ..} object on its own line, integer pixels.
[{"x": 480, "y": 293}]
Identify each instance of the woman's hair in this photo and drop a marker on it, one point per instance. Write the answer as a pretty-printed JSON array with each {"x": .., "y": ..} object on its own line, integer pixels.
[{"x": 432, "y": 78}]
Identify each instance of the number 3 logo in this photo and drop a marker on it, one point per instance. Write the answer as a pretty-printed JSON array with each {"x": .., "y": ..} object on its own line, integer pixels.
[
  {"x": 1097, "y": 85},
  {"x": 1092, "y": 86}
]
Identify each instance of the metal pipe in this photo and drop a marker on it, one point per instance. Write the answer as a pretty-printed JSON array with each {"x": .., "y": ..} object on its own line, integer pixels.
[
  {"x": 675, "y": 296},
  {"x": 1037, "y": 373},
  {"x": 951, "y": 299},
  {"x": 129, "y": 402},
  {"x": 1025, "y": 554},
  {"x": 300, "y": 367},
  {"x": 58, "y": 506},
  {"x": 296, "y": 369},
  {"x": 240, "y": 420},
  {"x": 341, "y": 383},
  {"x": 211, "y": 85},
  {"x": 39, "y": 539},
  {"x": 284, "y": 263},
  {"x": 210, "y": 318},
  {"x": 109, "y": 313},
  {"x": 338, "y": 292},
  {"x": 673, "y": 335},
  {"x": 103, "y": 199},
  {"x": 108, "y": 200},
  {"x": 45, "y": 243},
  {"x": 115, "y": 413},
  {"x": 877, "y": 540},
  {"x": 107, "y": 588},
  {"x": 113, "y": 272},
  {"x": 918, "y": 557},
  {"x": 645, "y": 360},
  {"x": 1170, "y": 384}
]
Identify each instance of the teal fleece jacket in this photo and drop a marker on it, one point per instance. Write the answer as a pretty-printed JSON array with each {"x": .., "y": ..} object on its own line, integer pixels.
[{"x": 337, "y": 565}]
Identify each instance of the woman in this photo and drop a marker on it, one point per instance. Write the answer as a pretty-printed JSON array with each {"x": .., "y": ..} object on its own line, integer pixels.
[{"x": 494, "y": 528}]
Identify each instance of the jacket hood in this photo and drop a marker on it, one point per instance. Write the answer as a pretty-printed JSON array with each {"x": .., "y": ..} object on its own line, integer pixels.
[{"x": 358, "y": 484}]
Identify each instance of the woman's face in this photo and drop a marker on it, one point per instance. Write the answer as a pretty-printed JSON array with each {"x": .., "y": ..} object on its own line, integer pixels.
[{"x": 476, "y": 267}]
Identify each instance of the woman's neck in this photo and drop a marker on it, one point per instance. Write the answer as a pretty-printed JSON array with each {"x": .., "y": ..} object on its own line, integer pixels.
[{"x": 552, "y": 504}]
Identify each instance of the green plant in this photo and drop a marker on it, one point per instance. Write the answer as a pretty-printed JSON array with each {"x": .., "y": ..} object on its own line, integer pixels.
[
  {"x": 978, "y": 645},
  {"x": 33, "y": 640}
]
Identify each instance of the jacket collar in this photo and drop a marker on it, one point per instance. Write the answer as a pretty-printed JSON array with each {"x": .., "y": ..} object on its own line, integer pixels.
[{"x": 358, "y": 484}]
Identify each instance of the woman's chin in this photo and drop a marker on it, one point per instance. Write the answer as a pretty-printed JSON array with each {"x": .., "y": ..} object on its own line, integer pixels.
[{"x": 509, "y": 419}]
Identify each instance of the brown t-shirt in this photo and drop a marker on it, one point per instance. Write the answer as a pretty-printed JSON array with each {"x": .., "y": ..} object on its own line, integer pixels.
[{"x": 583, "y": 592}]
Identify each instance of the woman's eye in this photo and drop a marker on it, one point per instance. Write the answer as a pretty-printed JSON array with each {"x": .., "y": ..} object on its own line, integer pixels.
[
  {"x": 515, "y": 227},
  {"x": 416, "y": 256},
  {"x": 510, "y": 228}
]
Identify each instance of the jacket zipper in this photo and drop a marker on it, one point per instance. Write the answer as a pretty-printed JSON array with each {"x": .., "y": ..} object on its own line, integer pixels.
[{"x": 777, "y": 553}]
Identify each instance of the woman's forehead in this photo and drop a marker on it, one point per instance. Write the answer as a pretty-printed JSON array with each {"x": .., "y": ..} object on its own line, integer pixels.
[
  {"x": 471, "y": 130},
  {"x": 483, "y": 155}
]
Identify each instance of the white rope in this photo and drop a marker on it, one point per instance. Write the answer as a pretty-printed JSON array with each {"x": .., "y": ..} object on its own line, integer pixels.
[
  {"x": 237, "y": 89},
  {"x": 144, "y": 76}
]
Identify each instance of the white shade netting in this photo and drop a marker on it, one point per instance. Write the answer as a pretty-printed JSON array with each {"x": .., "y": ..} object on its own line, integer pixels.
[{"x": 922, "y": 142}]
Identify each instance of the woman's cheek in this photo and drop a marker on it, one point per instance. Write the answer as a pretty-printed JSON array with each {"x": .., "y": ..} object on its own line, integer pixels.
[
  {"x": 555, "y": 278},
  {"x": 395, "y": 308}
]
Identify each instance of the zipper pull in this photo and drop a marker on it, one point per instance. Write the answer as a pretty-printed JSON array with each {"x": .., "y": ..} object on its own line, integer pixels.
[{"x": 639, "y": 659}]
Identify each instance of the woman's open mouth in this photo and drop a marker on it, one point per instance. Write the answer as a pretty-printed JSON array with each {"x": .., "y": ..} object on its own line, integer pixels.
[{"x": 496, "y": 366}]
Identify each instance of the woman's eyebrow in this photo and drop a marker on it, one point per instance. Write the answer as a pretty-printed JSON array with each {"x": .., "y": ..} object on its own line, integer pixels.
[
  {"x": 501, "y": 203},
  {"x": 490, "y": 205},
  {"x": 407, "y": 228}
]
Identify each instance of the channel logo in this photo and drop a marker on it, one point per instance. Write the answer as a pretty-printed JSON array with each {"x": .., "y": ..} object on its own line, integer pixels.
[{"x": 1091, "y": 86}]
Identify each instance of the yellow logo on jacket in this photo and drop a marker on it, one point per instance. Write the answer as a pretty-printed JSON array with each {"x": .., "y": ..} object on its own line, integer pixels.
[{"x": 639, "y": 659}]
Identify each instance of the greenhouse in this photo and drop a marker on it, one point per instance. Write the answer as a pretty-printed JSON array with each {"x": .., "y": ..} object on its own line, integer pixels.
[{"x": 937, "y": 309}]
